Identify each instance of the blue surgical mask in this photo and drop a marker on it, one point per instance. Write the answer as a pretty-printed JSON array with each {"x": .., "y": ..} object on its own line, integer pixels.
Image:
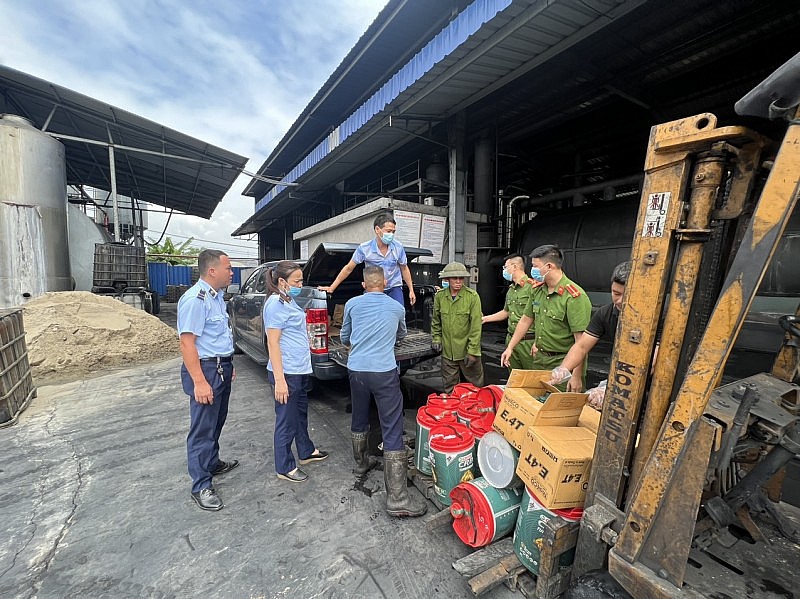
[
  {"x": 507, "y": 275},
  {"x": 387, "y": 238},
  {"x": 536, "y": 275},
  {"x": 445, "y": 284},
  {"x": 294, "y": 291}
]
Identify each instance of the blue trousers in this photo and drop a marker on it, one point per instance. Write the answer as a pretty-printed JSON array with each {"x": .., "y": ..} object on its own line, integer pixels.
[
  {"x": 291, "y": 423},
  {"x": 206, "y": 422},
  {"x": 385, "y": 386},
  {"x": 396, "y": 293}
]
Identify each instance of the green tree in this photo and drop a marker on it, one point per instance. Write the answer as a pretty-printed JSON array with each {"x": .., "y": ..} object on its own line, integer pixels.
[{"x": 173, "y": 254}]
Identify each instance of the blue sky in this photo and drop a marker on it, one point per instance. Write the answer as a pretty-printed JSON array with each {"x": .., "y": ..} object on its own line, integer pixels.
[{"x": 234, "y": 73}]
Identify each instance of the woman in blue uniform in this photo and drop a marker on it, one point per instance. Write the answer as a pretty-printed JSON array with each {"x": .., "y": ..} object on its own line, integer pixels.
[{"x": 288, "y": 369}]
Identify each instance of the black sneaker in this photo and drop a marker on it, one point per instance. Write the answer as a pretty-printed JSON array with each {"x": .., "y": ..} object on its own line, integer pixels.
[
  {"x": 207, "y": 499},
  {"x": 223, "y": 467}
]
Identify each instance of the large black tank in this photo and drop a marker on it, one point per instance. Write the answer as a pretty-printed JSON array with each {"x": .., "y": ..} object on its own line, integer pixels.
[{"x": 596, "y": 239}]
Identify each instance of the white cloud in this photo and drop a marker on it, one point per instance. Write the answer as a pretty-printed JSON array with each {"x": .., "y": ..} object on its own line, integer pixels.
[{"x": 235, "y": 74}]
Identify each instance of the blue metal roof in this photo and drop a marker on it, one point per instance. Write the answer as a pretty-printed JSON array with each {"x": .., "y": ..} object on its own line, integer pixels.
[
  {"x": 548, "y": 77},
  {"x": 442, "y": 45},
  {"x": 481, "y": 46},
  {"x": 395, "y": 35}
]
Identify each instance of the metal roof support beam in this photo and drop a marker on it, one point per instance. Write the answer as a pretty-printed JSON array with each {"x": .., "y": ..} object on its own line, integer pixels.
[
  {"x": 112, "y": 169},
  {"x": 457, "y": 203}
]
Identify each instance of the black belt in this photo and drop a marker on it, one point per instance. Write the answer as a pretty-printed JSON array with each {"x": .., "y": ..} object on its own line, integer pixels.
[
  {"x": 551, "y": 354},
  {"x": 529, "y": 337},
  {"x": 218, "y": 359}
]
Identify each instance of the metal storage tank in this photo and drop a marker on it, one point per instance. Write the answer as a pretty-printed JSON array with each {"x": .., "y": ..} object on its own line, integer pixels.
[{"x": 34, "y": 254}]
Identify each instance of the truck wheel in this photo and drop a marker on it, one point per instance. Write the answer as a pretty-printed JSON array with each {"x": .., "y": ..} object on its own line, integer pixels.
[{"x": 596, "y": 584}]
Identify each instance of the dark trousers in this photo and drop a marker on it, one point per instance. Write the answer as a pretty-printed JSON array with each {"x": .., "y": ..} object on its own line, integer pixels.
[
  {"x": 291, "y": 423},
  {"x": 396, "y": 293},
  {"x": 453, "y": 369},
  {"x": 206, "y": 422},
  {"x": 385, "y": 386}
]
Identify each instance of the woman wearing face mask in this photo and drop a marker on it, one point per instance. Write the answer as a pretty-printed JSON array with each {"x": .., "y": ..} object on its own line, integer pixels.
[{"x": 288, "y": 369}]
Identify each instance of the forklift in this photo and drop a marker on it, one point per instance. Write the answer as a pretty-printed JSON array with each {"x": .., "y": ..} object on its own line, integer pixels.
[{"x": 683, "y": 498}]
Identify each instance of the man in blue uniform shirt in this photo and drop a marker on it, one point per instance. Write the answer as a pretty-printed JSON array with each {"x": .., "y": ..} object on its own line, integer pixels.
[
  {"x": 371, "y": 325},
  {"x": 206, "y": 373},
  {"x": 387, "y": 253}
]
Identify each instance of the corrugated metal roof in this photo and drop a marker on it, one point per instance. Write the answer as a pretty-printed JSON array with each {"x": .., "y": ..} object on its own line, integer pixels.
[
  {"x": 496, "y": 52},
  {"x": 397, "y": 32},
  {"x": 554, "y": 76},
  {"x": 181, "y": 172}
]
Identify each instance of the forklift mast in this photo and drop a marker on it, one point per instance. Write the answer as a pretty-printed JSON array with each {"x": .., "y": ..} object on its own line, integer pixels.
[{"x": 658, "y": 438}]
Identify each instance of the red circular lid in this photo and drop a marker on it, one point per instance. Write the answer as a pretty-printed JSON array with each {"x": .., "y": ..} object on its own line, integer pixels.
[
  {"x": 473, "y": 519},
  {"x": 482, "y": 424},
  {"x": 444, "y": 401},
  {"x": 489, "y": 396},
  {"x": 467, "y": 405},
  {"x": 464, "y": 389},
  {"x": 433, "y": 415},
  {"x": 450, "y": 437}
]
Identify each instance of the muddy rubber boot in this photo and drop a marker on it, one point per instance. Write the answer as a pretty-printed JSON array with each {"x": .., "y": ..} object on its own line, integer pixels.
[
  {"x": 364, "y": 461},
  {"x": 399, "y": 502}
]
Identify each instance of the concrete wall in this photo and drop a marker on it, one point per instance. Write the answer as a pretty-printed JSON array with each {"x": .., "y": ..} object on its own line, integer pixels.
[{"x": 355, "y": 226}]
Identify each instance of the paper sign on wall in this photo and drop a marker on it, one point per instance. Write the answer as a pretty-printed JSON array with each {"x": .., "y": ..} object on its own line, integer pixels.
[
  {"x": 432, "y": 236},
  {"x": 408, "y": 226}
]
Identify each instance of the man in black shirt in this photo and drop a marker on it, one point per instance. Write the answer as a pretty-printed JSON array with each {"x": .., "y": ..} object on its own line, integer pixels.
[{"x": 603, "y": 325}]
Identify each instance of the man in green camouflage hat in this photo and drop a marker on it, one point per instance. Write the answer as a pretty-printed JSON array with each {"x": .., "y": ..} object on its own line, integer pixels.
[{"x": 456, "y": 328}]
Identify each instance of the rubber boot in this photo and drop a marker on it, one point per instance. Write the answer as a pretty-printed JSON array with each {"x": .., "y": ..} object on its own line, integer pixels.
[
  {"x": 399, "y": 502},
  {"x": 364, "y": 461}
]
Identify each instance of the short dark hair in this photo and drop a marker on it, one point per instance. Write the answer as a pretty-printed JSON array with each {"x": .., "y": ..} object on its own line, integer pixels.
[
  {"x": 208, "y": 258},
  {"x": 621, "y": 273},
  {"x": 518, "y": 257},
  {"x": 384, "y": 217},
  {"x": 548, "y": 253}
]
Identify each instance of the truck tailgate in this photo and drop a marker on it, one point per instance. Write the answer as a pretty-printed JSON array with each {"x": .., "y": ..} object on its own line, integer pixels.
[{"x": 415, "y": 347}]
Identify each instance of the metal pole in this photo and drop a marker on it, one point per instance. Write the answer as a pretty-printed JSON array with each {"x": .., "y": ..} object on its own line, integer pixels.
[{"x": 114, "y": 203}]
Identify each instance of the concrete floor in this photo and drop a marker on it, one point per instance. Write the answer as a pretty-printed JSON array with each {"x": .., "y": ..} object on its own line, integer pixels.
[{"x": 95, "y": 503}]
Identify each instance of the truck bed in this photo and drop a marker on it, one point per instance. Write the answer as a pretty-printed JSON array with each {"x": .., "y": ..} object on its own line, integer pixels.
[{"x": 415, "y": 347}]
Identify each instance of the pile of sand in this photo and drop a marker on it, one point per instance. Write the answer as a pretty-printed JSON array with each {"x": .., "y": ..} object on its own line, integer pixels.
[{"x": 75, "y": 334}]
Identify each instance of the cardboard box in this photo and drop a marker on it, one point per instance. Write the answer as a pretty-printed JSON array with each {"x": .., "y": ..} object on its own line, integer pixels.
[
  {"x": 519, "y": 408},
  {"x": 590, "y": 418},
  {"x": 556, "y": 463}
]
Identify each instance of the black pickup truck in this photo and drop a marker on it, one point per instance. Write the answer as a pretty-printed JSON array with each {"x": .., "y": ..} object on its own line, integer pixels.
[{"x": 328, "y": 354}]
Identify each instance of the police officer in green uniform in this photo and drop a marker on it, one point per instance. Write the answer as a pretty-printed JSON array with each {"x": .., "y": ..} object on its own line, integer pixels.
[
  {"x": 518, "y": 297},
  {"x": 560, "y": 311},
  {"x": 456, "y": 328}
]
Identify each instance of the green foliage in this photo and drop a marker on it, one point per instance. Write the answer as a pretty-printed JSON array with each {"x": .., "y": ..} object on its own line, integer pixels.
[{"x": 171, "y": 253}]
